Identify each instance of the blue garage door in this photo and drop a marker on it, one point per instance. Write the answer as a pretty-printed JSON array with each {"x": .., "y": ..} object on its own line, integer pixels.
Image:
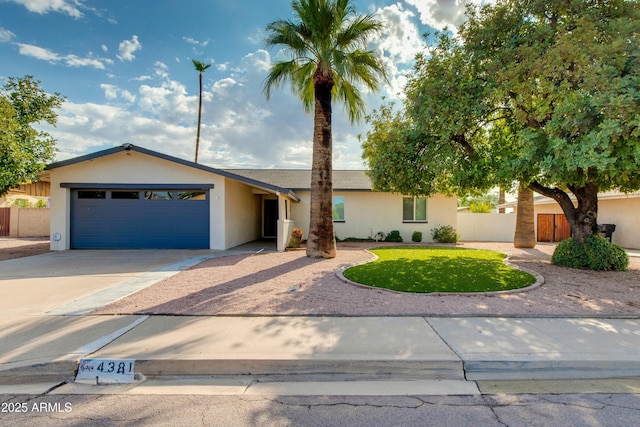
[{"x": 139, "y": 218}]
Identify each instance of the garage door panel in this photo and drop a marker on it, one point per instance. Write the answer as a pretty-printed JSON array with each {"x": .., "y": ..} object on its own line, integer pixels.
[{"x": 139, "y": 223}]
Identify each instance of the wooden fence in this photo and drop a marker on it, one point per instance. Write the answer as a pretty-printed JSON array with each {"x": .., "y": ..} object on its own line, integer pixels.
[{"x": 5, "y": 221}]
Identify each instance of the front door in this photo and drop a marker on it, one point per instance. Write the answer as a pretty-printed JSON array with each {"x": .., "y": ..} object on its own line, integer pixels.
[{"x": 270, "y": 218}]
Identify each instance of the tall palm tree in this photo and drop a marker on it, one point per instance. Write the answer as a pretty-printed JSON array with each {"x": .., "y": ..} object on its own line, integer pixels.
[
  {"x": 326, "y": 56},
  {"x": 201, "y": 67}
]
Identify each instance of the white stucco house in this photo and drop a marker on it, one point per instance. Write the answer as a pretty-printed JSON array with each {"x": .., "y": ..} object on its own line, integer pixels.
[{"x": 132, "y": 197}]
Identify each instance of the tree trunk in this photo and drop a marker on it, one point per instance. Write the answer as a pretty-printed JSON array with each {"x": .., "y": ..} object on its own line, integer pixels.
[
  {"x": 199, "y": 121},
  {"x": 525, "y": 235},
  {"x": 582, "y": 218},
  {"x": 321, "y": 242},
  {"x": 501, "y": 200}
]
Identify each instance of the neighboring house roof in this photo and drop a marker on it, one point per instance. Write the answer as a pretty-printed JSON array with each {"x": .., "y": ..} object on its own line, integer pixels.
[
  {"x": 300, "y": 179},
  {"x": 607, "y": 195},
  {"x": 130, "y": 147}
]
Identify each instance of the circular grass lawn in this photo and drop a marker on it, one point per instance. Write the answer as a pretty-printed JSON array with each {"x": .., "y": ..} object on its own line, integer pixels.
[{"x": 426, "y": 269}]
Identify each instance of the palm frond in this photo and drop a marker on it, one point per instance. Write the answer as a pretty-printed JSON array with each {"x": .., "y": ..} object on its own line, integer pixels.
[{"x": 330, "y": 37}]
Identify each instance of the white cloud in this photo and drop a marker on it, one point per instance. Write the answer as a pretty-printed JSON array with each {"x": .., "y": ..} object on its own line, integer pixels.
[
  {"x": 398, "y": 44},
  {"x": 6, "y": 35},
  {"x": 113, "y": 92},
  {"x": 71, "y": 8},
  {"x": 193, "y": 41},
  {"x": 104, "y": 48},
  {"x": 127, "y": 48},
  {"x": 38, "y": 52},
  {"x": 70, "y": 60},
  {"x": 443, "y": 13},
  {"x": 222, "y": 67}
]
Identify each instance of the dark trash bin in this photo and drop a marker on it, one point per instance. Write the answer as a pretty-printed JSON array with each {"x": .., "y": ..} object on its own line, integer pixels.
[{"x": 606, "y": 230}]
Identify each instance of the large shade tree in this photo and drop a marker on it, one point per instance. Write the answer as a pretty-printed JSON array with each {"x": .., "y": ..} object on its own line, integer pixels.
[
  {"x": 546, "y": 94},
  {"x": 25, "y": 150},
  {"x": 326, "y": 58}
]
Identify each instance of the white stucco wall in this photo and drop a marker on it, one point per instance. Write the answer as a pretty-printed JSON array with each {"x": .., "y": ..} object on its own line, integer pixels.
[
  {"x": 131, "y": 167},
  {"x": 486, "y": 227},
  {"x": 243, "y": 214},
  {"x": 367, "y": 213}
]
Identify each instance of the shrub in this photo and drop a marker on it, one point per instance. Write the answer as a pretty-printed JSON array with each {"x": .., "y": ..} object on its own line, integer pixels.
[
  {"x": 595, "y": 253},
  {"x": 393, "y": 236},
  {"x": 296, "y": 238},
  {"x": 416, "y": 236},
  {"x": 570, "y": 253},
  {"x": 445, "y": 234}
]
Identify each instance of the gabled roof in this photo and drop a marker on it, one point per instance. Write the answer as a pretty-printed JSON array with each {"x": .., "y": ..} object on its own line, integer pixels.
[
  {"x": 130, "y": 147},
  {"x": 300, "y": 179}
]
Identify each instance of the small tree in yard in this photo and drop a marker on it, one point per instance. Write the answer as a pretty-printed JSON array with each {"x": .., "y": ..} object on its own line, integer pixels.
[
  {"x": 24, "y": 151},
  {"x": 535, "y": 92}
]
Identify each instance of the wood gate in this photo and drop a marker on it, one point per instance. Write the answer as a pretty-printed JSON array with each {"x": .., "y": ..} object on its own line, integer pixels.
[
  {"x": 553, "y": 228},
  {"x": 5, "y": 220}
]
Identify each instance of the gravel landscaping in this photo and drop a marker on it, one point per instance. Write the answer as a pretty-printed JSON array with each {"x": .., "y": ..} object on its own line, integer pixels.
[{"x": 289, "y": 283}]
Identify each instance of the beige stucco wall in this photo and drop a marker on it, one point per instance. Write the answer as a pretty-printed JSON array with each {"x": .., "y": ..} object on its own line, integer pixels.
[
  {"x": 29, "y": 222},
  {"x": 243, "y": 214},
  {"x": 486, "y": 227},
  {"x": 366, "y": 213},
  {"x": 623, "y": 212},
  {"x": 131, "y": 167}
]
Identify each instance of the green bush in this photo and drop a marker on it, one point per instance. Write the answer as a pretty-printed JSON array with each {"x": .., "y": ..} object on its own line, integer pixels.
[
  {"x": 416, "y": 236},
  {"x": 393, "y": 236},
  {"x": 445, "y": 234},
  {"x": 594, "y": 253},
  {"x": 570, "y": 253}
]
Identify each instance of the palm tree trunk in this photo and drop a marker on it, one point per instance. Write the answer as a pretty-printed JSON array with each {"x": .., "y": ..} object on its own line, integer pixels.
[
  {"x": 321, "y": 242},
  {"x": 525, "y": 235},
  {"x": 199, "y": 120},
  {"x": 501, "y": 200}
]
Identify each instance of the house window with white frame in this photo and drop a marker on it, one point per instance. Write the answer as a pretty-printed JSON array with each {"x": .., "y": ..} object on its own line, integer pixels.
[
  {"x": 414, "y": 209},
  {"x": 338, "y": 208}
]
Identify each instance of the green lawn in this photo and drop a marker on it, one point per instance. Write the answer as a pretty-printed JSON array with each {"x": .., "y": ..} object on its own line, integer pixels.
[{"x": 427, "y": 269}]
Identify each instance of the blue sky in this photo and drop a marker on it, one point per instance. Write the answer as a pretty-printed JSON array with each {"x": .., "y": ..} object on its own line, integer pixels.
[{"x": 125, "y": 69}]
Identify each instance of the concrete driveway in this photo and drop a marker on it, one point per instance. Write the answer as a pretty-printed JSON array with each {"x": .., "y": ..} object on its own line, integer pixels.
[
  {"x": 41, "y": 284},
  {"x": 44, "y": 296}
]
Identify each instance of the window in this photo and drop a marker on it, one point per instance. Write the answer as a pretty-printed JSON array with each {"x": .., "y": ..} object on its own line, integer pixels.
[
  {"x": 125, "y": 195},
  {"x": 158, "y": 195},
  {"x": 92, "y": 194},
  {"x": 338, "y": 208},
  {"x": 192, "y": 195},
  {"x": 414, "y": 209}
]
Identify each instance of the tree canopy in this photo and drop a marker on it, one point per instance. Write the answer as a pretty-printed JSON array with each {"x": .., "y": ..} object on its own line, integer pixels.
[
  {"x": 543, "y": 93},
  {"x": 24, "y": 150}
]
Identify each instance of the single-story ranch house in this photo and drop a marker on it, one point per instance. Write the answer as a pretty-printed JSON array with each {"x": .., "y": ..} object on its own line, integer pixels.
[{"x": 132, "y": 197}]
